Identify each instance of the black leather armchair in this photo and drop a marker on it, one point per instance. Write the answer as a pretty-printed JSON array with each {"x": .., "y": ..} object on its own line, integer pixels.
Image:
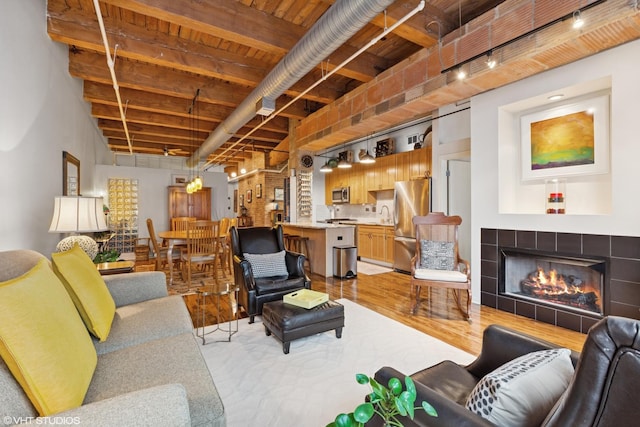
[
  {"x": 603, "y": 391},
  {"x": 254, "y": 292}
]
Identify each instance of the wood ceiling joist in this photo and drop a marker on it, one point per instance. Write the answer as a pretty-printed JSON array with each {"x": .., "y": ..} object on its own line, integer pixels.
[
  {"x": 245, "y": 25},
  {"x": 156, "y": 48},
  {"x": 88, "y": 65},
  {"x": 101, "y": 94}
]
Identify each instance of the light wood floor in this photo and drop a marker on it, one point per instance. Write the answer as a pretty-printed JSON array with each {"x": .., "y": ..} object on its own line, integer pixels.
[{"x": 389, "y": 294}]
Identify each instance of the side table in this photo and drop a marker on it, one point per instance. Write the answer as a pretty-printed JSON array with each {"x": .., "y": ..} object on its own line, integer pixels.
[
  {"x": 115, "y": 267},
  {"x": 217, "y": 290}
]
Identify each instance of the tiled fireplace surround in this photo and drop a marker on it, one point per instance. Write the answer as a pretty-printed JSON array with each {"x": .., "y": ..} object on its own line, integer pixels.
[{"x": 621, "y": 289}]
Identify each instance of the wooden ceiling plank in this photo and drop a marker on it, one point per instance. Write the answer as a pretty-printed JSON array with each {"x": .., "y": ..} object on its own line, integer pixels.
[
  {"x": 412, "y": 30},
  {"x": 98, "y": 93},
  {"x": 137, "y": 75},
  {"x": 229, "y": 20},
  {"x": 154, "y": 48},
  {"x": 240, "y": 24}
]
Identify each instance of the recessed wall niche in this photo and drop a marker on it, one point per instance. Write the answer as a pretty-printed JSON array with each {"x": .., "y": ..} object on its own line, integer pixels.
[{"x": 588, "y": 194}]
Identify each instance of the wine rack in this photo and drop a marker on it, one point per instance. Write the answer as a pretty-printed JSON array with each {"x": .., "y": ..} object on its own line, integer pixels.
[{"x": 304, "y": 195}]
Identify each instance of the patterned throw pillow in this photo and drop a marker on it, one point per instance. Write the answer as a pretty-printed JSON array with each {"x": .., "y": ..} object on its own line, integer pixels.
[
  {"x": 436, "y": 255},
  {"x": 523, "y": 391},
  {"x": 267, "y": 265}
]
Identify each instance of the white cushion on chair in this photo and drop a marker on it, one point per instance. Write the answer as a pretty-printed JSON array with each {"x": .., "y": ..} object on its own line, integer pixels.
[{"x": 440, "y": 275}]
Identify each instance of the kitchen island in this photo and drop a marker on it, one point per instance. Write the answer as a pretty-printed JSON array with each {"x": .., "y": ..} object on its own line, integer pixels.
[{"x": 322, "y": 238}]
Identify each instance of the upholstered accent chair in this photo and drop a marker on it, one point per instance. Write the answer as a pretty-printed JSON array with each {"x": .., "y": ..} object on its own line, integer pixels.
[
  {"x": 601, "y": 391},
  {"x": 264, "y": 270}
]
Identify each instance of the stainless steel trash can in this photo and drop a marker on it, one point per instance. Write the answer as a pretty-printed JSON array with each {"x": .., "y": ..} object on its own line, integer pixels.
[{"x": 345, "y": 261}]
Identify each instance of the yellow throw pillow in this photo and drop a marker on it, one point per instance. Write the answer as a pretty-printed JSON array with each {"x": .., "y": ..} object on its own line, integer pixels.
[
  {"x": 87, "y": 290},
  {"x": 44, "y": 342}
]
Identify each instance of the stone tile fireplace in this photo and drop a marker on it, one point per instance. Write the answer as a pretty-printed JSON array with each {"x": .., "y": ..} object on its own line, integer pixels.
[{"x": 565, "y": 279}]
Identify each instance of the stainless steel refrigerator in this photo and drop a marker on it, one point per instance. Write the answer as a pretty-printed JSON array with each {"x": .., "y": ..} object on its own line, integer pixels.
[{"x": 410, "y": 198}]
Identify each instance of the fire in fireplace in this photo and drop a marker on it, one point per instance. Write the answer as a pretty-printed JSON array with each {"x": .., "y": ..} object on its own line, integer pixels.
[{"x": 574, "y": 283}]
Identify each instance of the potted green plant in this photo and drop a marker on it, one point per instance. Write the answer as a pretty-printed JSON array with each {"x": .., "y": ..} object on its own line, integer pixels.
[{"x": 388, "y": 403}]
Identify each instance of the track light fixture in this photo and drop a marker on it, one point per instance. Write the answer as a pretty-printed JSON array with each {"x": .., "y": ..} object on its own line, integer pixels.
[
  {"x": 491, "y": 61},
  {"x": 578, "y": 22}
]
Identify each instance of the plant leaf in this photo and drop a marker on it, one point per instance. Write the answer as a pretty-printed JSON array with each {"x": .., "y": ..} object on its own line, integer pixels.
[
  {"x": 378, "y": 389},
  {"x": 411, "y": 387},
  {"x": 362, "y": 378},
  {"x": 407, "y": 402},
  {"x": 344, "y": 420},
  {"x": 429, "y": 409},
  {"x": 395, "y": 386},
  {"x": 400, "y": 406},
  {"x": 363, "y": 412}
]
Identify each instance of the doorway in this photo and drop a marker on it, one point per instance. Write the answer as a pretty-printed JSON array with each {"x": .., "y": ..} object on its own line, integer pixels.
[{"x": 458, "y": 173}]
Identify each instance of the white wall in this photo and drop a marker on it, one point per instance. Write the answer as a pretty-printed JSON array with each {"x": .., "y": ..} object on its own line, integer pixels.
[
  {"x": 42, "y": 113},
  {"x": 622, "y": 65}
]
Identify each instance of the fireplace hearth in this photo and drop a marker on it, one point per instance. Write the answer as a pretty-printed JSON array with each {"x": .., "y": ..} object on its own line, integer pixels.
[{"x": 568, "y": 282}]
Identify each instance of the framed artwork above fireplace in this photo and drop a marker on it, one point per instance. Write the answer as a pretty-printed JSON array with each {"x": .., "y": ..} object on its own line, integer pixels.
[{"x": 566, "y": 140}]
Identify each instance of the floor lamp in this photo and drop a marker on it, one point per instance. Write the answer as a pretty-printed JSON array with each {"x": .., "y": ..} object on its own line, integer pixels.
[{"x": 72, "y": 214}]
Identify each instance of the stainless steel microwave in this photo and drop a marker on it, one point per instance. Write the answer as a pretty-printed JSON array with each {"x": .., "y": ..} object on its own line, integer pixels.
[{"x": 340, "y": 195}]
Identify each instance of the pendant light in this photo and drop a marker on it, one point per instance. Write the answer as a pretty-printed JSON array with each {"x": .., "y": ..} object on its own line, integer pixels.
[
  {"x": 195, "y": 182},
  {"x": 326, "y": 168},
  {"x": 367, "y": 158}
]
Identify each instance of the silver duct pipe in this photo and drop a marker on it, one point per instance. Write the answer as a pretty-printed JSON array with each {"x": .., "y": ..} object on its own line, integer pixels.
[{"x": 341, "y": 21}]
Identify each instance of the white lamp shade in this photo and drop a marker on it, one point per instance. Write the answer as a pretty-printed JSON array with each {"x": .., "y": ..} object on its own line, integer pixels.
[{"x": 77, "y": 215}]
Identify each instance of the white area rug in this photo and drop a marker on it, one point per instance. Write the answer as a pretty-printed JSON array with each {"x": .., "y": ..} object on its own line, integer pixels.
[
  {"x": 371, "y": 269},
  {"x": 260, "y": 385}
]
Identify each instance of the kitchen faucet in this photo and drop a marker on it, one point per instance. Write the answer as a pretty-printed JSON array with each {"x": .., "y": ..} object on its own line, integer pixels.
[{"x": 388, "y": 218}]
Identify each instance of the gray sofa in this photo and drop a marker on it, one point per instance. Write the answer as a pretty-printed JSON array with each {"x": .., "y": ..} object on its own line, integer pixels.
[{"x": 150, "y": 369}]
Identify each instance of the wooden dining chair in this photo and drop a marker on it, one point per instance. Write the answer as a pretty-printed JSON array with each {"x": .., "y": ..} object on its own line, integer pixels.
[
  {"x": 179, "y": 223},
  {"x": 437, "y": 262},
  {"x": 159, "y": 251},
  {"x": 225, "y": 244},
  {"x": 201, "y": 251}
]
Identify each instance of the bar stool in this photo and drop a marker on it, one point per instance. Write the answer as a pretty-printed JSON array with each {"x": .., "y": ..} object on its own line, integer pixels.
[{"x": 300, "y": 245}]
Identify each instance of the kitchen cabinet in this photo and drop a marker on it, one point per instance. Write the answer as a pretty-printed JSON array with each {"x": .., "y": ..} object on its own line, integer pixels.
[
  {"x": 375, "y": 243},
  {"x": 363, "y": 179},
  {"x": 196, "y": 204},
  {"x": 356, "y": 183},
  {"x": 385, "y": 173}
]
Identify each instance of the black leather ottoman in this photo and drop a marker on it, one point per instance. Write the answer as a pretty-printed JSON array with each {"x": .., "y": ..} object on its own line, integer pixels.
[{"x": 289, "y": 322}]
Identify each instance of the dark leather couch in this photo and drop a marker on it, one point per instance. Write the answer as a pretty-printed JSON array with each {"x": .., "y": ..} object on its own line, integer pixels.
[
  {"x": 254, "y": 292},
  {"x": 604, "y": 390}
]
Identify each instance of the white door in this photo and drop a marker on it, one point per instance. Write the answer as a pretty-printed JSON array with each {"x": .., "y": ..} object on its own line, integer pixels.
[{"x": 459, "y": 201}]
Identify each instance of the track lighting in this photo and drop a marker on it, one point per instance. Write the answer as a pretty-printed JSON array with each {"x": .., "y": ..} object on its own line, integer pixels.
[
  {"x": 578, "y": 22},
  {"x": 166, "y": 151},
  {"x": 461, "y": 74},
  {"x": 491, "y": 62}
]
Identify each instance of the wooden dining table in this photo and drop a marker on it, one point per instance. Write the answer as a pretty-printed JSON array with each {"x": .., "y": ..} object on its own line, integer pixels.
[{"x": 172, "y": 238}]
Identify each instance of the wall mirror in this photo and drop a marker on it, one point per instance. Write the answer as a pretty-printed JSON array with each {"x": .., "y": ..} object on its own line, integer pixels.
[{"x": 70, "y": 175}]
